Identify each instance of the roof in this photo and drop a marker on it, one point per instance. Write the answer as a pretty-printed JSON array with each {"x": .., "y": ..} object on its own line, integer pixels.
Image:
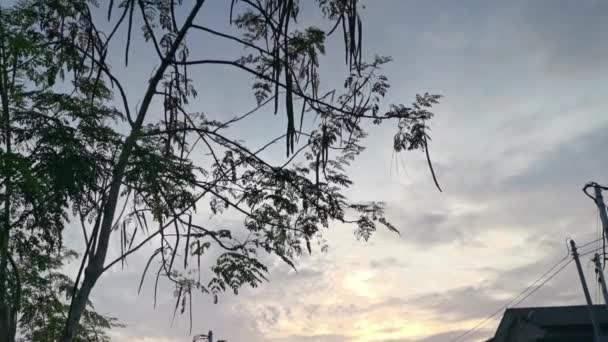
[
  {"x": 551, "y": 321},
  {"x": 560, "y": 315}
]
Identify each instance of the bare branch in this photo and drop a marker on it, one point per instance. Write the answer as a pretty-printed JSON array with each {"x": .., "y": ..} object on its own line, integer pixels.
[{"x": 227, "y": 36}]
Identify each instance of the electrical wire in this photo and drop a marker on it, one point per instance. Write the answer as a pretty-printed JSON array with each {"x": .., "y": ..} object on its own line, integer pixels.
[
  {"x": 499, "y": 310},
  {"x": 544, "y": 282},
  {"x": 589, "y": 252},
  {"x": 589, "y": 243},
  {"x": 517, "y": 300}
]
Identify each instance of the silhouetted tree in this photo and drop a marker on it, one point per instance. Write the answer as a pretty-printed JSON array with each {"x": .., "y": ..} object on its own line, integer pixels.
[
  {"x": 51, "y": 146},
  {"x": 147, "y": 187},
  {"x": 206, "y": 338},
  {"x": 45, "y": 302}
]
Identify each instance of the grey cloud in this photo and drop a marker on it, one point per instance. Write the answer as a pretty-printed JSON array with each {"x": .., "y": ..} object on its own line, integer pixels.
[
  {"x": 573, "y": 32},
  {"x": 387, "y": 263},
  {"x": 458, "y": 304},
  {"x": 267, "y": 317},
  {"x": 311, "y": 310},
  {"x": 424, "y": 228},
  {"x": 545, "y": 195},
  {"x": 569, "y": 165},
  {"x": 499, "y": 287}
]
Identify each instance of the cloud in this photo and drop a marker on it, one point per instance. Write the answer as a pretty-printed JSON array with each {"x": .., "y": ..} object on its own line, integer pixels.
[
  {"x": 385, "y": 263},
  {"x": 567, "y": 166},
  {"x": 517, "y": 201},
  {"x": 571, "y": 33},
  {"x": 521, "y": 129},
  {"x": 471, "y": 302},
  {"x": 429, "y": 228}
]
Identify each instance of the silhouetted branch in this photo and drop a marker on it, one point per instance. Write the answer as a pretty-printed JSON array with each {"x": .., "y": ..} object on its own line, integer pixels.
[{"x": 230, "y": 37}]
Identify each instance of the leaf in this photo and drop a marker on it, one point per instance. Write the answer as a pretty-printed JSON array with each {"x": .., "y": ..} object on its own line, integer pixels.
[
  {"x": 287, "y": 261},
  {"x": 389, "y": 225}
]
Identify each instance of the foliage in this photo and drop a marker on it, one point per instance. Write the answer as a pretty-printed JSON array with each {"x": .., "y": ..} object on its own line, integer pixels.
[
  {"x": 143, "y": 184},
  {"x": 53, "y": 147},
  {"x": 45, "y": 296}
]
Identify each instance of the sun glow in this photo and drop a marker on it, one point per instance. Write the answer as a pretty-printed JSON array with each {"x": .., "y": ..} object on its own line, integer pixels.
[{"x": 358, "y": 283}]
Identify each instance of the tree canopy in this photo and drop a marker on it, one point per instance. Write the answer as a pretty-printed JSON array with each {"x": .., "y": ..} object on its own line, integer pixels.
[{"x": 78, "y": 148}]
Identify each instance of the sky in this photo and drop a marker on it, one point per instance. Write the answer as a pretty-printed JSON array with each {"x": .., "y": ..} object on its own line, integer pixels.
[{"x": 521, "y": 129}]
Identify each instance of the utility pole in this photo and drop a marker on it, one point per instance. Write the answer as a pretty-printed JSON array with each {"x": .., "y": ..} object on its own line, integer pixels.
[
  {"x": 599, "y": 201},
  {"x": 596, "y": 330},
  {"x": 600, "y": 273}
]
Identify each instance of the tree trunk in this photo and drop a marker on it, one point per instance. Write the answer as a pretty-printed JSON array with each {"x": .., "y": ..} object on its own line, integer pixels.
[
  {"x": 5, "y": 309},
  {"x": 96, "y": 261},
  {"x": 79, "y": 303},
  {"x": 7, "y": 324}
]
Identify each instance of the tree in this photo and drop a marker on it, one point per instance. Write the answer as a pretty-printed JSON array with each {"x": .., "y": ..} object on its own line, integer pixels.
[
  {"x": 205, "y": 338},
  {"x": 47, "y": 161},
  {"x": 145, "y": 176},
  {"x": 44, "y": 303}
]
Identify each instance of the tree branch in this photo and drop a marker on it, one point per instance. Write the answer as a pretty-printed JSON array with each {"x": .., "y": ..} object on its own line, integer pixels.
[
  {"x": 281, "y": 85},
  {"x": 227, "y": 36}
]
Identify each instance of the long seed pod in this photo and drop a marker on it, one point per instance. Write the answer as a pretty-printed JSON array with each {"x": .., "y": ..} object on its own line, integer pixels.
[
  {"x": 174, "y": 252},
  {"x": 428, "y": 159},
  {"x": 143, "y": 275},
  {"x": 359, "y": 45},
  {"x": 351, "y": 32},
  {"x": 232, "y": 3},
  {"x": 302, "y": 118},
  {"x": 198, "y": 249},
  {"x": 345, "y": 34},
  {"x": 190, "y": 296},
  {"x": 291, "y": 130},
  {"x": 173, "y": 21},
  {"x": 143, "y": 216},
  {"x": 110, "y": 9},
  {"x": 156, "y": 283},
  {"x": 187, "y": 241},
  {"x": 179, "y": 296},
  {"x": 132, "y": 7},
  {"x": 132, "y": 238},
  {"x": 122, "y": 246}
]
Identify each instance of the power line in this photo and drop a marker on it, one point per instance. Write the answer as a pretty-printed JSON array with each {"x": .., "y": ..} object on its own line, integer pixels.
[
  {"x": 589, "y": 243},
  {"x": 533, "y": 285},
  {"x": 589, "y": 252},
  {"x": 499, "y": 310},
  {"x": 544, "y": 282}
]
